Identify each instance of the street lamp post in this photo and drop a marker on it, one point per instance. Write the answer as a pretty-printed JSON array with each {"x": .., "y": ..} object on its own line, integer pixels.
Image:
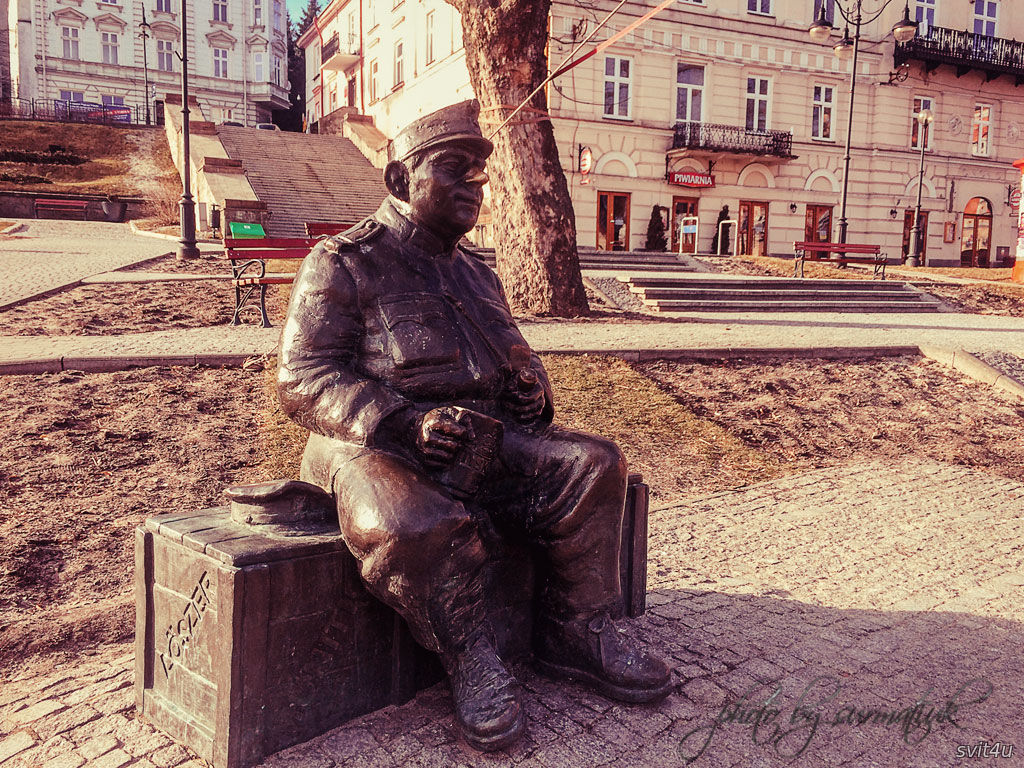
[
  {"x": 144, "y": 34},
  {"x": 924, "y": 117},
  {"x": 847, "y": 49},
  {"x": 187, "y": 243}
]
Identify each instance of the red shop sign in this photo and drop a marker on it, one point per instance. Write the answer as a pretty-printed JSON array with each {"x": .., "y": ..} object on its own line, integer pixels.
[{"x": 691, "y": 179}]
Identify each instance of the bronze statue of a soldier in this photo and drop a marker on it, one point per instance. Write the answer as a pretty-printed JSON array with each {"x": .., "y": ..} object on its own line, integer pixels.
[{"x": 431, "y": 422}]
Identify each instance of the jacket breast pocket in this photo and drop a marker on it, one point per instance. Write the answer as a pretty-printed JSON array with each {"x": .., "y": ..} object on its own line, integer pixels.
[{"x": 419, "y": 331}]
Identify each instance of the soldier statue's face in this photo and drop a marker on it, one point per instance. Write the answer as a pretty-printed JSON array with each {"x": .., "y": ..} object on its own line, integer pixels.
[{"x": 446, "y": 189}]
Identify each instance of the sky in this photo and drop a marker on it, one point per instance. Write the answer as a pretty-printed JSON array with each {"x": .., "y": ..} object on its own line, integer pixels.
[{"x": 295, "y": 7}]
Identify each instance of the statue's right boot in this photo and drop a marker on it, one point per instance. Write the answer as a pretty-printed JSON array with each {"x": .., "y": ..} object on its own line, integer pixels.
[{"x": 488, "y": 708}]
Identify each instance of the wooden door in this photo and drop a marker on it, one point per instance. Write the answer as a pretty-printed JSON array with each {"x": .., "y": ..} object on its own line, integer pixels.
[
  {"x": 613, "y": 221},
  {"x": 818, "y": 224},
  {"x": 683, "y": 207},
  {"x": 753, "y": 234}
]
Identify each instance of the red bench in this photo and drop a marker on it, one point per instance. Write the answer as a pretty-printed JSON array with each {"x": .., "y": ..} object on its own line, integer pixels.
[
  {"x": 840, "y": 253},
  {"x": 321, "y": 228},
  {"x": 54, "y": 205},
  {"x": 249, "y": 257}
]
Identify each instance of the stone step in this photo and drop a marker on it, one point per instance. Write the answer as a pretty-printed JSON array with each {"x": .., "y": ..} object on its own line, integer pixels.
[
  {"x": 717, "y": 294},
  {"x": 764, "y": 284},
  {"x": 791, "y": 306}
]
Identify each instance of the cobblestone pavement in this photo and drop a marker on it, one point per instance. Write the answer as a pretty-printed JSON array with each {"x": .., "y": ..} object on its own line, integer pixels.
[
  {"x": 865, "y": 590},
  {"x": 49, "y": 254},
  {"x": 1007, "y": 364}
]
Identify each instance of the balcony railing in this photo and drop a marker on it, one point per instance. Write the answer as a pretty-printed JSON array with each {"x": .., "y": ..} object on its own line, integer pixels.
[
  {"x": 732, "y": 138},
  {"x": 340, "y": 52},
  {"x": 330, "y": 48},
  {"x": 965, "y": 51}
]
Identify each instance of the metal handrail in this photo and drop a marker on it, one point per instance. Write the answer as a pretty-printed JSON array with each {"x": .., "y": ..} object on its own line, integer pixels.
[
  {"x": 732, "y": 138},
  {"x": 964, "y": 49}
]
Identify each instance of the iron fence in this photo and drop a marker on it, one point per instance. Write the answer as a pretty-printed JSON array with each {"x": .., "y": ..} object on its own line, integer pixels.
[
  {"x": 70, "y": 111},
  {"x": 964, "y": 50},
  {"x": 732, "y": 138}
]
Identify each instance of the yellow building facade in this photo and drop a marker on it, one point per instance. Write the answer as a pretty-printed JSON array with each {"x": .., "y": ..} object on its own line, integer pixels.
[{"x": 730, "y": 103}]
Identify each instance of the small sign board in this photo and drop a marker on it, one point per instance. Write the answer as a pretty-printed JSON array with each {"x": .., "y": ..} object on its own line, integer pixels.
[
  {"x": 691, "y": 179},
  {"x": 586, "y": 164},
  {"x": 689, "y": 229},
  {"x": 1015, "y": 199}
]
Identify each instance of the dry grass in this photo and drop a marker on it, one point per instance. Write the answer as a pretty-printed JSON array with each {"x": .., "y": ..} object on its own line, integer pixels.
[
  {"x": 106, "y": 147},
  {"x": 776, "y": 267},
  {"x": 4, "y": 224},
  {"x": 678, "y": 453},
  {"x": 1000, "y": 274}
]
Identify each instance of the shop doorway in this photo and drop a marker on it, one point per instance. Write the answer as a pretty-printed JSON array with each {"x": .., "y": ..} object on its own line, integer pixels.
[
  {"x": 350, "y": 91},
  {"x": 976, "y": 233},
  {"x": 753, "y": 234},
  {"x": 908, "y": 226},
  {"x": 683, "y": 207},
  {"x": 612, "y": 221},
  {"x": 818, "y": 224}
]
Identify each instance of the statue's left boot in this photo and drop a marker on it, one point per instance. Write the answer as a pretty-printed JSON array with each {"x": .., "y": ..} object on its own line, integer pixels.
[{"x": 594, "y": 651}]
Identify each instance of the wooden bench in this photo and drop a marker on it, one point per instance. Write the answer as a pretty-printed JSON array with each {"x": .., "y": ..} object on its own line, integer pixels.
[
  {"x": 328, "y": 228},
  {"x": 249, "y": 257},
  {"x": 54, "y": 205},
  {"x": 840, "y": 253}
]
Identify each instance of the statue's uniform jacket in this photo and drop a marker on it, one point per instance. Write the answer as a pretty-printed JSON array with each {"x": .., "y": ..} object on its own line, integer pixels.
[{"x": 383, "y": 318}]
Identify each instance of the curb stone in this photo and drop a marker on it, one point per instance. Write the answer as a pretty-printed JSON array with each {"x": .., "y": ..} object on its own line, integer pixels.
[
  {"x": 16, "y": 226},
  {"x": 975, "y": 368}
]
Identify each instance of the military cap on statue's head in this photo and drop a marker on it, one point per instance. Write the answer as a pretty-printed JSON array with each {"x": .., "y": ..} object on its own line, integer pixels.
[{"x": 459, "y": 122}]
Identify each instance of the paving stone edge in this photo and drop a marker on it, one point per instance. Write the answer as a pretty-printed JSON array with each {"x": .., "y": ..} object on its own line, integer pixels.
[{"x": 975, "y": 368}]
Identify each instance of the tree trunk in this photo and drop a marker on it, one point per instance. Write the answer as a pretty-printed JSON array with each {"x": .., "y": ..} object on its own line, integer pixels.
[{"x": 533, "y": 222}]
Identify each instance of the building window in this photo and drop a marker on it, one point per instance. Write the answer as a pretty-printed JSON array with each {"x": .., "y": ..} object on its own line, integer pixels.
[
  {"x": 924, "y": 15},
  {"x": 920, "y": 102},
  {"x": 257, "y": 13},
  {"x": 374, "y": 80},
  {"x": 981, "y": 126},
  {"x": 986, "y": 17},
  {"x": 821, "y": 112},
  {"x": 277, "y": 16},
  {"x": 258, "y": 58},
  {"x": 164, "y": 5},
  {"x": 428, "y": 24},
  {"x": 757, "y": 104},
  {"x": 275, "y": 70},
  {"x": 220, "y": 62},
  {"x": 112, "y": 101},
  {"x": 69, "y": 36},
  {"x": 220, "y": 10},
  {"x": 830, "y": 10},
  {"x": 399, "y": 62},
  {"x": 763, "y": 7},
  {"x": 617, "y": 78},
  {"x": 165, "y": 55},
  {"x": 689, "y": 92},
  {"x": 76, "y": 96},
  {"x": 109, "y": 40}
]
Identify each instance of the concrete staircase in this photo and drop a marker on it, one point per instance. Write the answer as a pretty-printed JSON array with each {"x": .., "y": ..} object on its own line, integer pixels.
[
  {"x": 624, "y": 261},
  {"x": 767, "y": 294}
]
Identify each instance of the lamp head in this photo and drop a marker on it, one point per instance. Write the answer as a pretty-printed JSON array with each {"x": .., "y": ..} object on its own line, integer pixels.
[
  {"x": 844, "y": 48},
  {"x": 925, "y": 116},
  {"x": 906, "y": 28},
  {"x": 821, "y": 29}
]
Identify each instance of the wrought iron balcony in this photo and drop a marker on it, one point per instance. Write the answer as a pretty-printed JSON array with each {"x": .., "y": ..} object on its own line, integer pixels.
[
  {"x": 994, "y": 56},
  {"x": 729, "y": 139}
]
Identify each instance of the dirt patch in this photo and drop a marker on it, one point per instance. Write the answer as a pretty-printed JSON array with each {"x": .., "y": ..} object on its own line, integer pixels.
[
  {"x": 151, "y": 169},
  {"x": 104, "y": 309},
  {"x": 771, "y": 266},
  {"x": 204, "y": 264},
  {"x": 996, "y": 299},
  {"x": 90, "y": 456},
  {"x": 809, "y": 413}
]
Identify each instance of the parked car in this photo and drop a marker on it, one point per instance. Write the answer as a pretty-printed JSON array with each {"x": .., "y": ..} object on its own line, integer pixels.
[
  {"x": 267, "y": 126},
  {"x": 234, "y": 123}
]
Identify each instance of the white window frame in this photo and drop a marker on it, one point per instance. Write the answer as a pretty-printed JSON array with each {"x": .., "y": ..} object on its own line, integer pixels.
[
  {"x": 917, "y": 104},
  {"x": 164, "y": 6},
  {"x": 830, "y": 10},
  {"x": 981, "y": 130},
  {"x": 277, "y": 16},
  {"x": 220, "y": 10},
  {"x": 374, "y": 76},
  {"x": 108, "y": 100},
  {"x": 757, "y": 98},
  {"x": 75, "y": 97},
  {"x": 220, "y": 63},
  {"x": 617, "y": 81},
  {"x": 108, "y": 42},
  {"x": 690, "y": 90},
  {"x": 165, "y": 55},
  {"x": 428, "y": 26},
  {"x": 257, "y": 13},
  {"x": 275, "y": 69},
  {"x": 69, "y": 39},
  {"x": 259, "y": 58},
  {"x": 399, "y": 63},
  {"x": 984, "y": 18},
  {"x": 759, "y": 7},
  {"x": 924, "y": 15},
  {"x": 823, "y": 102}
]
